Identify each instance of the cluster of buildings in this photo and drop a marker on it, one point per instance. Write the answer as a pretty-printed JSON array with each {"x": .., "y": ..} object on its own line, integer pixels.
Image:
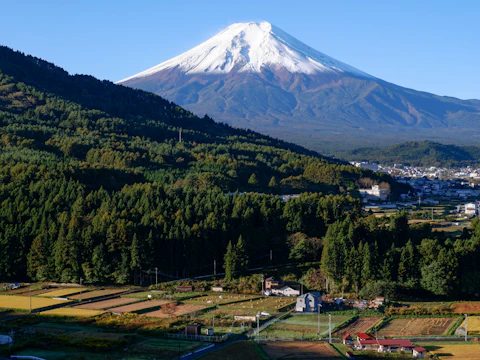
[{"x": 367, "y": 342}]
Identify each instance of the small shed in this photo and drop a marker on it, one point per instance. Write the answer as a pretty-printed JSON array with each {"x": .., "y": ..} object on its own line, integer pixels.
[
  {"x": 419, "y": 352},
  {"x": 347, "y": 339},
  {"x": 209, "y": 332},
  {"x": 184, "y": 288},
  {"x": 217, "y": 288},
  {"x": 193, "y": 329}
]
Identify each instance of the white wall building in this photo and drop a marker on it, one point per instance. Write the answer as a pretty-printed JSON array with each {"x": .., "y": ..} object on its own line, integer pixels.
[{"x": 374, "y": 194}]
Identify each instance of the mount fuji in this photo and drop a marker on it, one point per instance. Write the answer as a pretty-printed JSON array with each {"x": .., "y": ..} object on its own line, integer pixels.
[{"x": 255, "y": 75}]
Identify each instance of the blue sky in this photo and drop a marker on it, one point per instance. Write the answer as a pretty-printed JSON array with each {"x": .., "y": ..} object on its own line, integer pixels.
[{"x": 426, "y": 45}]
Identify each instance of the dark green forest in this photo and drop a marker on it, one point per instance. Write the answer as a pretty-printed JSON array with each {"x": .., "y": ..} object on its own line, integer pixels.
[
  {"x": 418, "y": 153},
  {"x": 94, "y": 183}
]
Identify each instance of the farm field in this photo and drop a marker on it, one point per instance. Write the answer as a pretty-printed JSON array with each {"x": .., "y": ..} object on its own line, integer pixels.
[
  {"x": 269, "y": 304},
  {"x": 165, "y": 349},
  {"x": 167, "y": 311},
  {"x": 301, "y": 327},
  {"x": 159, "y": 294},
  {"x": 67, "y": 311},
  {"x": 238, "y": 351},
  {"x": 473, "y": 325},
  {"x": 23, "y": 302},
  {"x": 96, "y": 293},
  {"x": 416, "y": 326},
  {"x": 106, "y": 304},
  {"x": 139, "y": 306},
  {"x": 37, "y": 292},
  {"x": 360, "y": 325},
  {"x": 299, "y": 350},
  {"x": 453, "y": 350},
  {"x": 470, "y": 307},
  {"x": 63, "y": 292},
  {"x": 220, "y": 299}
]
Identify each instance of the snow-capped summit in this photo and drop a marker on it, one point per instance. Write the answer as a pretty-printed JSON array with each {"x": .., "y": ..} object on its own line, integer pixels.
[{"x": 249, "y": 47}]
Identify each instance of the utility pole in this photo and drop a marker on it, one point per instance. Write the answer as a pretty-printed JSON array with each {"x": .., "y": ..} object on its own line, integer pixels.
[
  {"x": 81, "y": 289},
  {"x": 271, "y": 255},
  {"x": 329, "y": 328},
  {"x": 30, "y": 298},
  {"x": 258, "y": 325},
  {"x": 213, "y": 324},
  {"x": 318, "y": 331},
  {"x": 214, "y": 267},
  {"x": 180, "y": 135},
  {"x": 156, "y": 278},
  {"x": 263, "y": 281},
  {"x": 466, "y": 328}
]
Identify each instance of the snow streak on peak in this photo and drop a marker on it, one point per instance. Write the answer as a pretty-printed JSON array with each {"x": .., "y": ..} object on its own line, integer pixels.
[{"x": 248, "y": 47}]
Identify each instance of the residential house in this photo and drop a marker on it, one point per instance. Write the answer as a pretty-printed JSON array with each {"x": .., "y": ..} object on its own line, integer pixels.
[
  {"x": 286, "y": 290},
  {"x": 272, "y": 282},
  {"x": 374, "y": 194},
  {"x": 419, "y": 352},
  {"x": 308, "y": 302},
  {"x": 385, "y": 346}
]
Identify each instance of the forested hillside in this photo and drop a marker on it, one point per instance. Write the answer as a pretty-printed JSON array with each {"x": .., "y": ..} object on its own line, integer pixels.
[
  {"x": 95, "y": 183},
  {"x": 418, "y": 153}
]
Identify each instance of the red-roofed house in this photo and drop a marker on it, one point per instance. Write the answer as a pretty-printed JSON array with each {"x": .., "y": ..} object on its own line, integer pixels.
[
  {"x": 419, "y": 352},
  {"x": 364, "y": 336},
  {"x": 381, "y": 346}
]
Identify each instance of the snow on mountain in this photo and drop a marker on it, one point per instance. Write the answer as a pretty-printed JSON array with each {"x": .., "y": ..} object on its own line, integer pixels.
[{"x": 248, "y": 47}]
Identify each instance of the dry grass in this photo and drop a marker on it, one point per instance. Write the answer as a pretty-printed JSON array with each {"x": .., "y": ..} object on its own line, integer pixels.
[
  {"x": 299, "y": 350},
  {"x": 96, "y": 293},
  {"x": 471, "y": 307},
  {"x": 106, "y": 304},
  {"x": 63, "y": 292},
  {"x": 473, "y": 325},
  {"x": 220, "y": 299},
  {"x": 269, "y": 304},
  {"x": 23, "y": 302},
  {"x": 460, "y": 351},
  {"x": 75, "y": 312},
  {"x": 415, "y": 327}
]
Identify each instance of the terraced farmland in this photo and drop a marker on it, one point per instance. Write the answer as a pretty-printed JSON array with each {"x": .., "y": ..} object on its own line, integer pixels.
[
  {"x": 302, "y": 327},
  {"x": 106, "y": 304},
  {"x": 211, "y": 300},
  {"x": 74, "y": 312},
  {"x": 360, "y": 325},
  {"x": 63, "y": 292},
  {"x": 96, "y": 293},
  {"x": 172, "y": 310},
  {"x": 139, "y": 306},
  {"x": 454, "y": 350},
  {"x": 252, "y": 307},
  {"x": 416, "y": 326},
  {"x": 470, "y": 307},
  {"x": 23, "y": 302},
  {"x": 473, "y": 325}
]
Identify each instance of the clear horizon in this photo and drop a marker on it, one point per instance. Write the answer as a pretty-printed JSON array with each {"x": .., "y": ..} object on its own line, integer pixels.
[{"x": 430, "y": 46}]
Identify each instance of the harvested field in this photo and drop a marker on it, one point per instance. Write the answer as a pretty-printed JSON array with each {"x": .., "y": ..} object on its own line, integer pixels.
[
  {"x": 23, "y": 302},
  {"x": 106, "y": 304},
  {"x": 454, "y": 350},
  {"x": 473, "y": 325},
  {"x": 96, "y": 293},
  {"x": 238, "y": 351},
  {"x": 302, "y": 327},
  {"x": 299, "y": 350},
  {"x": 65, "y": 311},
  {"x": 172, "y": 310},
  {"x": 63, "y": 292},
  {"x": 138, "y": 306},
  {"x": 470, "y": 307},
  {"x": 162, "y": 295},
  {"x": 211, "y": 300},
  {"x": 360, "y": 325},
  {"x": 416, "y": 326},
  {"x": 43, "y": 292}
]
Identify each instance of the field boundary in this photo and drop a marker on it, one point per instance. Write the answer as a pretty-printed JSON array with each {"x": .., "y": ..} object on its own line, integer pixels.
[{"x": 455, "y": 325}]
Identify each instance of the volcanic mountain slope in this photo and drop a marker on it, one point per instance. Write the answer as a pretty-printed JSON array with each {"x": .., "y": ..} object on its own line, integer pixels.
[{"x": 254, "y": 75}]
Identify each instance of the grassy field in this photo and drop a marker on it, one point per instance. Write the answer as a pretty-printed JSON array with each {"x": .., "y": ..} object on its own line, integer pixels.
[
  {"x": 23, "y": 302},
  {"x": 75, "y": 312},
  {"x": 416, "y": 326},
  {"x": 299, "y": 350},
  {"x": 454, "y": 350},
  {"x": 302, "y": 327},
  {"x": 221, "y": 299},
  {"x": 63, "y": 292},
  {"x": 269, "y": 304},
  {"x": 237, "y": 351}
]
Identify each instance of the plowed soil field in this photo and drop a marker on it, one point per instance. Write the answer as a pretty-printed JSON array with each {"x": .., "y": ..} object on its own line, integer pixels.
[
  {"x": 299, "y": 350},
  {"x": 138, "y": 306},
  {"x": 106, "y": 304},
  {"x": 358, "y": 326},
  {"x": 415, "y": 327},
  {"x": 96, "y": 293},
  {"x": 471, "y": 307},
  {"x": 182, "y": 309}
]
